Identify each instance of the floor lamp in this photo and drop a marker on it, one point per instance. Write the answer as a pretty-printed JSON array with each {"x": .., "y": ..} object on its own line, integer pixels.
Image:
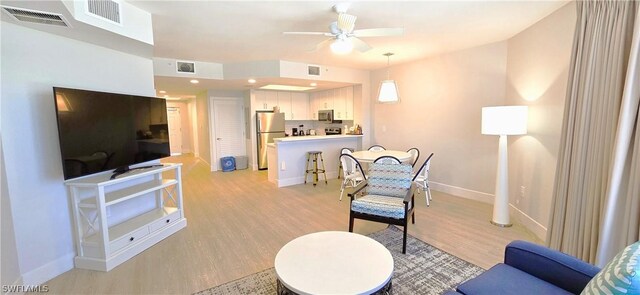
[{"x": 503, "y": 121}]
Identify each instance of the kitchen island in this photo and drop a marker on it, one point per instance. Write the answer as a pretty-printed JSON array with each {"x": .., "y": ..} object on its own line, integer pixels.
[{"x": 288, "y": 156}]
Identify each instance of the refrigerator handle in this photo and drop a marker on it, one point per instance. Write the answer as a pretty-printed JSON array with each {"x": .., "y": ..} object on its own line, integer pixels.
[{"x": 259, "y": 124}]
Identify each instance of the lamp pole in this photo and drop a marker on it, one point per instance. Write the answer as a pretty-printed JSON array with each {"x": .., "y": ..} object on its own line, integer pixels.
[{"x": 501, "y": 202}]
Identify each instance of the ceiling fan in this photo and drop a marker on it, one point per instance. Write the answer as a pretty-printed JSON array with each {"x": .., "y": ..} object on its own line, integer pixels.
[{"x": 343, "y": 36}]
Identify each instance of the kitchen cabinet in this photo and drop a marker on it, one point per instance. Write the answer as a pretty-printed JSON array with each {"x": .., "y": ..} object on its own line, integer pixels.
[
  {"x": 300, "y": 106},
  {"x": 343, "y": 103},
  {"x": 266, "y": 100},
  {"x": 339, "y": 100},
  {"x": 294, "y": 105},
  {"x": 284, "y": 102}
]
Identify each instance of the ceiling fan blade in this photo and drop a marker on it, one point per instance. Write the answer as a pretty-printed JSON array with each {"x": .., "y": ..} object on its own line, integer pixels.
[
  {"x": 380, "y": 32},
  {"x": 308, "y": 33},
  {"x": 346, "y": 22},
  {"x": 321, "y": 44},
  {"x": 359, "y": 44}
]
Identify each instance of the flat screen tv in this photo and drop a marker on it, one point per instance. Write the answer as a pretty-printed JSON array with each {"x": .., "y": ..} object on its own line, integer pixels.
[{"x": 102, "y": 131}]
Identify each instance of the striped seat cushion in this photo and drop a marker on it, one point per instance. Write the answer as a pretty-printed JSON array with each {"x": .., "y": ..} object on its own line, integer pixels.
[{"x": 379, "y": 205}]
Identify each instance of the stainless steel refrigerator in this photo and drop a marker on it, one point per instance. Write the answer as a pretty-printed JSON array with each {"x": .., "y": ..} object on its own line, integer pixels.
[{"x": 269, "y": 126}]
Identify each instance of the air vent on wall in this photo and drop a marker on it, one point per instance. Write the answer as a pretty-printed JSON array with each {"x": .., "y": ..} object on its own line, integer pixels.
[
  {"x": 34, "y": 16},
  {"x": 313, "y": 70},
  {"x": 107, "y": 9},
  {"x": 187, "y": 67}
]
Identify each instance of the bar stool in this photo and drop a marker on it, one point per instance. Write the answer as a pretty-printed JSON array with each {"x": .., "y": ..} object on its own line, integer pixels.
[{"x": 313, "y": 156}]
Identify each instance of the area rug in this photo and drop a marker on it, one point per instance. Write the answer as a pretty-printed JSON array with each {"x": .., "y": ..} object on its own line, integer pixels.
[{"x": 423, "y": 270}]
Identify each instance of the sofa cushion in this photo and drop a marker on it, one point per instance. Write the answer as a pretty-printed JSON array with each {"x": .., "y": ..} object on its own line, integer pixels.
[
  {"x": 504, "y": 279},
  {"x": 620, "y": 276}
]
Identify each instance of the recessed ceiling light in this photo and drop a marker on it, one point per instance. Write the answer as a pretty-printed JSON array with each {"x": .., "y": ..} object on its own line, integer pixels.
[
  {"x": 285, "y": 87},
  {"x": 194, "y": 81},
  {"x": 251, "y": 81},
  {"x": 162, "y": 91},
  {"x": 313, "y": 84}
]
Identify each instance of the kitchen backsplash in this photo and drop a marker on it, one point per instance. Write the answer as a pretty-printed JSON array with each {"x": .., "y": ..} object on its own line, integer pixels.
[{"x": 317, "y": 125}]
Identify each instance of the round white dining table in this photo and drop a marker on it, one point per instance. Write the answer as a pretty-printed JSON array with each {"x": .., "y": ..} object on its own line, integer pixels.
[{"x": 370, "y": 156}]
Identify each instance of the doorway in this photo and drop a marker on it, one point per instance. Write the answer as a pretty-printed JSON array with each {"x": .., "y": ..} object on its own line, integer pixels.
[
  {"x": 175, "y": 130},
  {"x": 228, "y": 136}
]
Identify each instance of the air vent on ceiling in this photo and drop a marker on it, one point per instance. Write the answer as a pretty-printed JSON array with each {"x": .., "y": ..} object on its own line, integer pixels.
[
  {"x": 107, "y": 9},
  {"x": 313, "y": 70},
  {"x": 34, "y": 16},
  {"x": 187, "y": 67}
]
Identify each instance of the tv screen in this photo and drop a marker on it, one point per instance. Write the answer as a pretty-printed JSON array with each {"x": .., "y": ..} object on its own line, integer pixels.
[{"x": 102, "y": 131}]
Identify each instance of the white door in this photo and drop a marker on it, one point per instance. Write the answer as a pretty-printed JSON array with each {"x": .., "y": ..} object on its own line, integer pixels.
[
  {"x": 175, "y": 130},
  {"x": 228, "y": 126}
]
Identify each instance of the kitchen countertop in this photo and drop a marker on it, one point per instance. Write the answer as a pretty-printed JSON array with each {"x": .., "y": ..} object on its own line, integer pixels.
[{"x": 313, "y": 137}]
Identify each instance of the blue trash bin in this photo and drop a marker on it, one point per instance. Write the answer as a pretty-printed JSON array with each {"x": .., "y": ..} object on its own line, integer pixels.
[{"x": 228, "y": 164}]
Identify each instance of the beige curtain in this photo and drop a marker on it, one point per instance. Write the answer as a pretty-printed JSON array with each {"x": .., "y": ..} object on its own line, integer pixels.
[
  {"x": 602, "y": 44},
  {"x": 621, "y": 219}
]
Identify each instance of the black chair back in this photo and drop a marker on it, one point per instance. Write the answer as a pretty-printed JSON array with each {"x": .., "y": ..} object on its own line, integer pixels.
[
  {"x": 423, "y": 166},
  {"x": 358, "y": 166},
  {"x": 376, "y": 146},
  {"x": 388, "y": 159}
]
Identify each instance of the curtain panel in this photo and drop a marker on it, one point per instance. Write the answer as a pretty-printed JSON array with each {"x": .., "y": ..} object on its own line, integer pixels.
[{"x": 597, "y": 74}]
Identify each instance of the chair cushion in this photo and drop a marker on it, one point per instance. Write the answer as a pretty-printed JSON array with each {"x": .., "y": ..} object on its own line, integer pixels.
[
  {"x": 504, "y": 279},
  {"x": 620, "y": 276},
  {"x": 391, "y": 180},
  {"x": 380, "y": 206}
]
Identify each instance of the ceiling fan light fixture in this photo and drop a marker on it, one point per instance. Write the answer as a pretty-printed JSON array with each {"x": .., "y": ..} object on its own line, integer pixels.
[{"x": 341, "y": 46}]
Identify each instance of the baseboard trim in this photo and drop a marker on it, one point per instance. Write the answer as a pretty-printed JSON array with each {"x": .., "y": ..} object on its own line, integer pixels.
[
  {"x": 531, "y": 224},
  {"x": 49, "y": 271},
  {"x": 300, "y": 179},
  {"x": 462, "y": 192}
]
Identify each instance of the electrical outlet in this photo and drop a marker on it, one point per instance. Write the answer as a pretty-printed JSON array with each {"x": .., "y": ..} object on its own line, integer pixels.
[
  {"x": 522, "y": 190},
  {"x": 283, "y": 166}
]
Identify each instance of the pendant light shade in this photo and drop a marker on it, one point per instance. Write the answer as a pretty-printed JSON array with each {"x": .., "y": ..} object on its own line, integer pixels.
[{"x": 388, "y": 92}]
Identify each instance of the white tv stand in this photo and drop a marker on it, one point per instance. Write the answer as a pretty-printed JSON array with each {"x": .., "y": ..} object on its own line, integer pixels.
[{"x": 105, "y": 240}]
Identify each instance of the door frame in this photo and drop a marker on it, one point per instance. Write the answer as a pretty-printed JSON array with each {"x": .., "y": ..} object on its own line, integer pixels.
[
  {"x": 176, "y": 108},
  {"x": 212, "y": 130}
]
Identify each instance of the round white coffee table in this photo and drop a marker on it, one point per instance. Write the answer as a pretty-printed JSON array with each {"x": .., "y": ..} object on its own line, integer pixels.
[{"x": 333, "y": 262}]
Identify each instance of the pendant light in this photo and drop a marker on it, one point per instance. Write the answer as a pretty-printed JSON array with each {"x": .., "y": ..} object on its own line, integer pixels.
[{"x": 388, "y": 92}]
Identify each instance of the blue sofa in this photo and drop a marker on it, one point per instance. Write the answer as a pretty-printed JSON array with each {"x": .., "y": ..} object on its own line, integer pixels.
[{"x": 531, "y": 269}]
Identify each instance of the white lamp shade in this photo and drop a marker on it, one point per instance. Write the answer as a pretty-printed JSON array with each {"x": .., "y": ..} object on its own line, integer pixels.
[
  {"x": 388, "y": 92},
  {"x": 341, "y": 46},
  {"x": 504, "y": 120}
]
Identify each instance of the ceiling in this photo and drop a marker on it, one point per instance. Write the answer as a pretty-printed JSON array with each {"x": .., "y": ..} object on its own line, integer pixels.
[{"x": 238, "y": 31}]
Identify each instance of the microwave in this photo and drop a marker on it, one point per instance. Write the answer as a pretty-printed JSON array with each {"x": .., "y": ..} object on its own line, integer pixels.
[{"x": 327, "y": 116}]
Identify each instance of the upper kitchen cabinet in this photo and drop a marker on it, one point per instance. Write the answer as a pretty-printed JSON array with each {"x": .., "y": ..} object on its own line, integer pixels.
[
  {"x": 266, "y": 100},
  {"x": 339, "y": 100},
  {"x": 343, "y": 103},
  {"x": 300, "y": 106},
  {"x": 284, "y": 102},
  {"x": 158, "y": 112}
]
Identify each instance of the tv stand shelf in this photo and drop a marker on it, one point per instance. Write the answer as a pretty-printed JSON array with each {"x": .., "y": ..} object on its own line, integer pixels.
[{"x": 102, "y": 241}]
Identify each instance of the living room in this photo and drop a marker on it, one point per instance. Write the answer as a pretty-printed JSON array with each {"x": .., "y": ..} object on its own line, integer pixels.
[{"x": 237, "y": 222}]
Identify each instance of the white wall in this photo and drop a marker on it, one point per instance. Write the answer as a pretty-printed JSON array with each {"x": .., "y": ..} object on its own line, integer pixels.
[
  {"x": 32, "y": 63},
  {"x": 439, "y": 112},
  {"x": 10, "y": 272},
  {"x": 202, "y": 117},
  {"x": 537, "y": 71}
]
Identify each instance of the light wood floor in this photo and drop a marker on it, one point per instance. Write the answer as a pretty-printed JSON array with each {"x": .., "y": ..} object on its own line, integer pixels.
[{"x": 238, "y": 221}]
